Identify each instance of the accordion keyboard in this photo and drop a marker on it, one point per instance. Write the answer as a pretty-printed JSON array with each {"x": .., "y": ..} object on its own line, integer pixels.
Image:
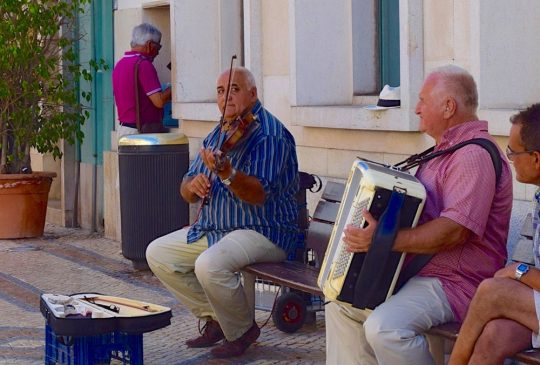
[{"x": 345, "y": 256}]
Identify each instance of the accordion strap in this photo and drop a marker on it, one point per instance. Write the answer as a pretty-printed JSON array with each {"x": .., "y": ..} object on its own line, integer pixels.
[
  {"x": 372, "y": 271},
  {"x": 137, "y": 101},
  {"x": 416, "y": 160},
  {"x": 420, "y": 260}
]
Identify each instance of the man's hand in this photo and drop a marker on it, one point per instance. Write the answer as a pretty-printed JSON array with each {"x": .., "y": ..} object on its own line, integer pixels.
[
  {"x": 359, "y": 239},
  {"x": 199, "y": 186},
  {"x": 222, "y": 168}
]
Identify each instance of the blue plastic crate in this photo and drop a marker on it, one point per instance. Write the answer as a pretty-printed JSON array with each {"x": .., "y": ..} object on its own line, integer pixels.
[{"x": 91, "y": 350}]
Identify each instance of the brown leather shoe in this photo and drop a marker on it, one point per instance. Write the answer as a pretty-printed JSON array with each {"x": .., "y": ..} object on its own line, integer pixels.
[
  {"x": 211, "y": 334},
  {"x": 238, "y": 346}
]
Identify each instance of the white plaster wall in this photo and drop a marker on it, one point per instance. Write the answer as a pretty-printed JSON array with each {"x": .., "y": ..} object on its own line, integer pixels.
[
  {"x": 275, "y": 37},
  {"x": 321, "y": 52},
  {"x": 508, "y": 52},
  {"x": 475, "y": 34}
]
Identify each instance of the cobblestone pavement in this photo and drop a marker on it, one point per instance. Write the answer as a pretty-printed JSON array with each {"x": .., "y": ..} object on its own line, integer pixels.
[{"x": 66, "y": 261}]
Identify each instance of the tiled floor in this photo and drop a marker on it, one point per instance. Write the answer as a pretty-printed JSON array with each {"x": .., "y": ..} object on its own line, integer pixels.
[{"x": 66, "y": 261}]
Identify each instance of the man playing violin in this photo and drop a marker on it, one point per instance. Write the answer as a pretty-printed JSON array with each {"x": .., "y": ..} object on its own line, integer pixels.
[{"x": 246, "y": 176}]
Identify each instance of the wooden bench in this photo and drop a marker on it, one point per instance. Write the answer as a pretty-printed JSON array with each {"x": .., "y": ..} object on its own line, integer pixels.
[
  {"x": 301, "y": 275},
  {"x": 437, "y": 336}
]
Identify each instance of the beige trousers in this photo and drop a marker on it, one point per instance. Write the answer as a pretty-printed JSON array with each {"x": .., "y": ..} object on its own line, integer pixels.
[
  {"x": 207, "y": 280},
  {"x": 393, "y": 333}
]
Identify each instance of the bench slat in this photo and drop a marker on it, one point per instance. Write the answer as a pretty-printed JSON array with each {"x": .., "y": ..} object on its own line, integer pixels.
[
  {"x": 333, "y": 191},
  {"x": 450, "y": 331},
  {"x": 523, "y": 251},
  {"x": 528, "y": 357},
  {"x": 326, "y": 211},
  {"x": 317, "y": 238},
  {"x": 527, "y": 228},
  {"x": 292, "y": 274},
  {"x": 447, "y": 330}
]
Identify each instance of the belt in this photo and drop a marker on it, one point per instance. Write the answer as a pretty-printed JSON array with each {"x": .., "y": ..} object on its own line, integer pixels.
[{"x": 128, "y": 125}]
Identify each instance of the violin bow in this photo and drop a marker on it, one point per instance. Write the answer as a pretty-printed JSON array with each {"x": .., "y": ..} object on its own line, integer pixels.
[{"x": 222, "y": 120}]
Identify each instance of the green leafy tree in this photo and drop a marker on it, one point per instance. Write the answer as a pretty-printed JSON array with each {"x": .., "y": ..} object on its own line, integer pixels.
[{"x": 39, "y": 97}]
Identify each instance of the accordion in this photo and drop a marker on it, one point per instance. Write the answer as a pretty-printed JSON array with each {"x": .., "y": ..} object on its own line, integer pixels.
[{"x": 383, "y": 191}]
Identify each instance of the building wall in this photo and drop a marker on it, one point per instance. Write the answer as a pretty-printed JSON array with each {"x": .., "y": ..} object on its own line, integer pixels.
[{"x": 281, "y": 39}]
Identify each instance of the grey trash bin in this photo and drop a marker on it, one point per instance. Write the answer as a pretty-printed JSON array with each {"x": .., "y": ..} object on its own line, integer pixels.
[{"x": 151, "y": 167}]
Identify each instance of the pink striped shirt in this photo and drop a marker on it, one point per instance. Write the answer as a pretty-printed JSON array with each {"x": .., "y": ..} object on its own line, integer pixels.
[{"x": 461, "y": 186}]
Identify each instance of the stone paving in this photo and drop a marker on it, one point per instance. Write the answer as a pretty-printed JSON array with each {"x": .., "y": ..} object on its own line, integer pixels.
[{"x": 66, "y": 261}]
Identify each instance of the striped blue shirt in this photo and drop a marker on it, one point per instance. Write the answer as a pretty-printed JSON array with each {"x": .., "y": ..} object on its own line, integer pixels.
[{"x": 269, "y": 154}]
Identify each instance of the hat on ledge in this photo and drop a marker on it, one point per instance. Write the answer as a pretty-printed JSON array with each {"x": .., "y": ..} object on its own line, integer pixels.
[{"x": 389, "y": 98}]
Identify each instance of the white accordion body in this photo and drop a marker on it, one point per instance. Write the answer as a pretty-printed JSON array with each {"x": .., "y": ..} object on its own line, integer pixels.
[{"x": 370, "y": 187}]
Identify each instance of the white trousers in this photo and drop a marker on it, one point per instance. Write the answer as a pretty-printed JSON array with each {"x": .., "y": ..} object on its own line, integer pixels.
[
  {"x": 125, "y": 131},
  {"x": 392, "y": 334},
  {"x": 207, "y": 280}
]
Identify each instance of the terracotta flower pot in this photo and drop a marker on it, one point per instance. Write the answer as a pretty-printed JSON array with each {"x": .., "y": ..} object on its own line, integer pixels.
[{"x": 23, "y": 204}]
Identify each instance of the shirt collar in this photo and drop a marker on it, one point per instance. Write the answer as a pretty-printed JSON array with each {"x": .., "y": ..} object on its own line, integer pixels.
[
  {"x": 137, "y": 54},
  {"x": 256, "y": 107},
  {"x": 461, "y": 132}
]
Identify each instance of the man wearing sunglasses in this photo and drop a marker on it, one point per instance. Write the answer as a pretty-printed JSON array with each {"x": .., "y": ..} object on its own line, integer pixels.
[
  {"x": 137, "y": 90},
  {"x": 504, "y": 315}
]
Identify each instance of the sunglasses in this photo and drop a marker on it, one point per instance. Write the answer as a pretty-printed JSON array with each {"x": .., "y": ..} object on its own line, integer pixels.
[
  {"x": 158, "y": 46},
  {"x": 512, "y": 154}
]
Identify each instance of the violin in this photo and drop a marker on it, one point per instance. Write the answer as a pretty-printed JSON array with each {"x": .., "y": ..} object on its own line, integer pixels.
[{"x": 236, "y": 131}]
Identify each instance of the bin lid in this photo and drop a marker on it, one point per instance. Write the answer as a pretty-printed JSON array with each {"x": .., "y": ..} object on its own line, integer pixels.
[{"x": 149, "y": 139}]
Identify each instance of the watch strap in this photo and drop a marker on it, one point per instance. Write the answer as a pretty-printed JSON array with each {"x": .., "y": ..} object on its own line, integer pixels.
[
  {"x": 521, "y": 270},
  {"x": 231, "y": 177}
]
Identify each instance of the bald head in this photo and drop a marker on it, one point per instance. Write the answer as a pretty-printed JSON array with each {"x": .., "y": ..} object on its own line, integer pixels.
[
  {"x": 241, "y": 72},
  {"x": 242, "y": 94}
]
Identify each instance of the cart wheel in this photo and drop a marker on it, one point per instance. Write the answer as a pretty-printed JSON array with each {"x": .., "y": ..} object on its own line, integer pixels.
[{"x": 289, "y": 313}]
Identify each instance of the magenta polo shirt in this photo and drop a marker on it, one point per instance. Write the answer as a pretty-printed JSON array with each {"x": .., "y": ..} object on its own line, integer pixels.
[
  {"x": 124, "y": 89},
  {"x": 461, "y": 186}
]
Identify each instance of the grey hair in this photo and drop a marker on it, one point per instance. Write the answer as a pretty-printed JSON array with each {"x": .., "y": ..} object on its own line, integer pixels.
[
  {"x": 248, "y": 76},
  {"x": 460, "y": 83},
  {"x": 250, "y": 79},
  {"x": 143, "y": 33}
]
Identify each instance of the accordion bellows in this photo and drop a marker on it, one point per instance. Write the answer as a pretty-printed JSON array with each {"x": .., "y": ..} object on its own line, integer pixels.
[{"x": 370, "y": 186}]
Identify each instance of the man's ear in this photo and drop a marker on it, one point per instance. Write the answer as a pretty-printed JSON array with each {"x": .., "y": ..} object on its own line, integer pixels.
[
  {"x": 253, "y": 92},
  {"x": 148, "y": 46},
  {"x": 450, "y": 107},
  {"x": 536, "y": 155}
]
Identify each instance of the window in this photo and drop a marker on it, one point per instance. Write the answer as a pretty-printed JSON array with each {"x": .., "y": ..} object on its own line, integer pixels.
[
  {"x": 375, "y": 49},
  {"x": 339, "y": 61}
]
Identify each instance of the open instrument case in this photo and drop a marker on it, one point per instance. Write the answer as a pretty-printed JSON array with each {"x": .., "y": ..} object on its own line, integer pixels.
[{"x": 89, "y": 314}]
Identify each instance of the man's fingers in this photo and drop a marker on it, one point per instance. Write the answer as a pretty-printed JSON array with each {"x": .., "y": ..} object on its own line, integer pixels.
[
  {"x": 200, "y": 185},
  {"x": 368, "y": 217}
]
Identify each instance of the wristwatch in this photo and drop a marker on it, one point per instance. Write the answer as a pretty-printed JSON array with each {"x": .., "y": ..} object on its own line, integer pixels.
[
  {"x": 521, "y": 270},
  {"x": 231, "y": 177}
]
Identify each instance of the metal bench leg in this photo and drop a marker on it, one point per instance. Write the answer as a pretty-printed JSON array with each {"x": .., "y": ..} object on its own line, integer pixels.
[
  {"x": 436, "y": 346},
  {"x": 249, "y": 287}
]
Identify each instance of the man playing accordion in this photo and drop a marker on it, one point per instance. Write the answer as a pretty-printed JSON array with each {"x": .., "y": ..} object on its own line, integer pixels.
[{"x": 464, "y": 225}]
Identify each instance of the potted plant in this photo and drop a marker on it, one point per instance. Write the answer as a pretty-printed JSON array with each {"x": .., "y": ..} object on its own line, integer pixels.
[{"x": 39, "y": 103}]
